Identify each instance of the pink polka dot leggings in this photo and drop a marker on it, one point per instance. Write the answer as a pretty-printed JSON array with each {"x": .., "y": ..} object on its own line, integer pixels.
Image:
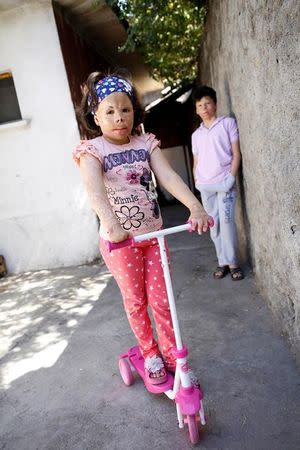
[{"x": 139, "y": 275}]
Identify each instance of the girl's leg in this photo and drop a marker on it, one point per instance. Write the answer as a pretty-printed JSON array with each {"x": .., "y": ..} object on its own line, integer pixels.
[
  {"x": 158, "y": 300},
  {"x": 228, "y": 234},
  {"x": 127, "y": 267}
]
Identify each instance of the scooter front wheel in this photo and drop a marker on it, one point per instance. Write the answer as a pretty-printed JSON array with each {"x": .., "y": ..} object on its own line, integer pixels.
[
  {"x": 193, "y": 428},
  {"x": 126, "y": 372}
]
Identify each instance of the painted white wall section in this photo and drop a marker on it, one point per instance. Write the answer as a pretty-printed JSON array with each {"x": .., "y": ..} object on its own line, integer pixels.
[{"x": 45, "y": 220}]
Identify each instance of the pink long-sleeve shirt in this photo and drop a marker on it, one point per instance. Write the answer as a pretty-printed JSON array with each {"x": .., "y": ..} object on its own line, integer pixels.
[{"x": 212, "y": 147}]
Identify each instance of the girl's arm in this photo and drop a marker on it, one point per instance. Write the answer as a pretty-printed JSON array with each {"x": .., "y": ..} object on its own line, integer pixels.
[
  {"x": 171, "y": 181},
  {"x": 91, "y": 173},
  {"x": 236, "y": 158}
]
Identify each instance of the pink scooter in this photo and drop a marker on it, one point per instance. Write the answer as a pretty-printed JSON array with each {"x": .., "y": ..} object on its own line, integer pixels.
[{"x": 178, "y": 387}]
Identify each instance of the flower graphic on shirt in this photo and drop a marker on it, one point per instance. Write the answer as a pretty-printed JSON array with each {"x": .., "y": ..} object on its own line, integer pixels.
[
  {"x": 130, "y": 217},
  {"x": 132, "y": 177}
]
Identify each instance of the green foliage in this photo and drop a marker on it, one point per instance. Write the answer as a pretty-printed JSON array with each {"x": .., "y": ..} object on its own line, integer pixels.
[{"x": 167, "y": 33}]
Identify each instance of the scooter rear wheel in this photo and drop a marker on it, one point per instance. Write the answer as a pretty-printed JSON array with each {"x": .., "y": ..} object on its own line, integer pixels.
[
  {"x": 193, "y": 428},
  {"x": 126, "y": 372}
]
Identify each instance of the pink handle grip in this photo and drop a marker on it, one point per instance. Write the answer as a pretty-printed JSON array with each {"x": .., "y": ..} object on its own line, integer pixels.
[{"x": 115, "y": 245}]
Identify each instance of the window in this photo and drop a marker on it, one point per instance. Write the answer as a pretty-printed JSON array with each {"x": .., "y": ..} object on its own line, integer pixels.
[{"x": 9, "y": 105}]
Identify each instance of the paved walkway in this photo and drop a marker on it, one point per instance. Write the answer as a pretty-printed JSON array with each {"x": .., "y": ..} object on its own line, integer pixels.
[{"x": 62, "y": 330}]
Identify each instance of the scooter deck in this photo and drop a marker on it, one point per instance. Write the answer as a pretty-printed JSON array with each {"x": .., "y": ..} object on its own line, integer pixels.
[{"x": 136, "y": 359}]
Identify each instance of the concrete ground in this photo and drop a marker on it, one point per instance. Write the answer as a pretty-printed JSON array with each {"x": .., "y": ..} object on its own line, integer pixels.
[{"x": 62, "y": 331}]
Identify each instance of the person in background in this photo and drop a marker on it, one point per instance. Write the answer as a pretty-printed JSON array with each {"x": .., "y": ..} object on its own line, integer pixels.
[{"x": 217, "y": 157}]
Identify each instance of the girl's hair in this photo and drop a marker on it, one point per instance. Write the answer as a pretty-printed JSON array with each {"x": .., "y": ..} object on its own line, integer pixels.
[
  {"x": 204, "y": 91},
  {"x": 84, "y": 111}
]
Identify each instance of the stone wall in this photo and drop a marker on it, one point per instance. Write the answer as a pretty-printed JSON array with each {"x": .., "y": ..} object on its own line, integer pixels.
[{"x": 250, "y": 55}]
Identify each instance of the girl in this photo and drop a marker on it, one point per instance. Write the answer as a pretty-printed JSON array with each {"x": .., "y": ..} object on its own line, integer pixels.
[{"x": 116, "y": 168}]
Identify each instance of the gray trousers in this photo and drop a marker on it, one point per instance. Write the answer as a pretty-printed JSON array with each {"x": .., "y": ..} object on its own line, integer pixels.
[{"x": 219, "y": 201}]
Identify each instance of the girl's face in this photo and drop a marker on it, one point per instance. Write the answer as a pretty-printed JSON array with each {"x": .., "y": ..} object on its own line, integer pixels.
[
  {"x": 115, "y": 117},
  {"x": 206, "y": 108}
]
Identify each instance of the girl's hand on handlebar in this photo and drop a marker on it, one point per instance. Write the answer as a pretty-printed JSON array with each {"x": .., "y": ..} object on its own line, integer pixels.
[{"x": 199, "y": 220}]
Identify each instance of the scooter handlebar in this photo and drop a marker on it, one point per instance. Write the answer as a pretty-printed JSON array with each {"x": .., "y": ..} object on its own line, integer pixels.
[{"x": 128, "y": 242}]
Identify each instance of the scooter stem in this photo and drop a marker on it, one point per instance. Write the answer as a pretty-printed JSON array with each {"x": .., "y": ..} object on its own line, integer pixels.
[{"x": 165, "y": 266}]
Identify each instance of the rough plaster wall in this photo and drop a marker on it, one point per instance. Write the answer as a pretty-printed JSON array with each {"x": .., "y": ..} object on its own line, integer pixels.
[{"x": 250, "y": 55}]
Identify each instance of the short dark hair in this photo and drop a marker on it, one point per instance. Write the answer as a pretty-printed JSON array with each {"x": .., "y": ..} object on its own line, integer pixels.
[
  {"x": 204, "y": 91},
  {"x": 84, "y": 111}
]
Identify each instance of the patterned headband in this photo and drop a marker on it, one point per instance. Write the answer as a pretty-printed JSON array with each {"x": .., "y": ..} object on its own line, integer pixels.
[{"x": 109, "y": 85}]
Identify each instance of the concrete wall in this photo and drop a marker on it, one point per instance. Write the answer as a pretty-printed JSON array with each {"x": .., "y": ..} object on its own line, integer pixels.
[
  {"x": 44, "y": 217},
  {"x": 250, "y": 55}
]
